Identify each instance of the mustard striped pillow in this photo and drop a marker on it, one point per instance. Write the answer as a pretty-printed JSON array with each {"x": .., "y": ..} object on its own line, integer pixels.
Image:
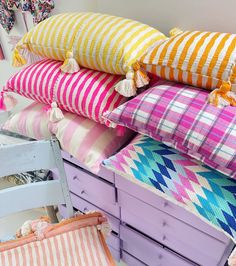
[
  {"x": 96, "y": 41},
  {"x": 202, "y": 59}
]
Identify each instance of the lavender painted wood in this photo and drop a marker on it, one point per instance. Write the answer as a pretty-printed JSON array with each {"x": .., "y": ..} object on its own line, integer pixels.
[
  {"x": 115, "y": 253},
  {"x": 130, "y": 260},
  {"x": 168, "y": 207},
  {"x": 104, "y": 173},
  {"x": 92, "y": 189},
  {"x": 149, "y": 251},
  {"x": 170, "y": 231},
  {"x": 85, "y": 206}
]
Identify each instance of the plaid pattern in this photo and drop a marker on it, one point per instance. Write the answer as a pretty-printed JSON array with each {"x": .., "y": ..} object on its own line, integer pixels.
[
  {"x": 179, "y": 116},
  {"x": 163, "y": 170}
]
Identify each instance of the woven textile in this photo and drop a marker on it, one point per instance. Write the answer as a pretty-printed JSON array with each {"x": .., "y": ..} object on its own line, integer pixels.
[
  {"x": 101, "y": 42},
  {"x": 178, "y": 115},
  {"x": 204, "y": 191},
  {"x": 202, "y": 59},
  {"x": 88, "y": 93}
]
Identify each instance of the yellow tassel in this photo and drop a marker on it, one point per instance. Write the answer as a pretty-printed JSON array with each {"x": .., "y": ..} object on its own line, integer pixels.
[
  {"x": 175, "y": 31},
  {"x": 223, "y": 96},
  {"x": 17, "y": 59},
  {"x": 70, "y": 65},
  {"x": 141, "y": 78}
]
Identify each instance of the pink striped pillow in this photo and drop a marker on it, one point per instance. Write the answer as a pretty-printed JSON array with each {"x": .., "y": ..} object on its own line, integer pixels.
[
  {"x": 75, "y": 241},
  {"x": 88, "y": 93},
  {"x": 87, "y": 141}
]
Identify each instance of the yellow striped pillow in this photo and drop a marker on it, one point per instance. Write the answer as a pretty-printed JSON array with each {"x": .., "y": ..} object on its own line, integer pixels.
[{"x": 96, "y": 41}]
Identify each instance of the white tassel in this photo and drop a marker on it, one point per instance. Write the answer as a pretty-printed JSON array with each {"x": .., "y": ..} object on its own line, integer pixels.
[
  {"x": 126, "y": 87},
  {"x": 7, "y": 101},
  {"x": 70, "y": 65},
  {"x": 232, "y": 258},
  {"x": 105, "y": 229},
  {"x": 55, "y": 114}
]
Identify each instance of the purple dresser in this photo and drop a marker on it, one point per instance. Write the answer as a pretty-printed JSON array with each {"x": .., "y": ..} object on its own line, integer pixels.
[{"x": 146, "y": 228}]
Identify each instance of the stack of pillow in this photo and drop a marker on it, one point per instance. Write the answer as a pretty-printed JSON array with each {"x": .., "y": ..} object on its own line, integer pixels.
[
  {"x": 79, "y": 80},
  {"x": 179, "y": 115}
]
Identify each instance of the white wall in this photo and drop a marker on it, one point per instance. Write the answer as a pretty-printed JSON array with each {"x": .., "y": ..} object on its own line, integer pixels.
[{"x": 213, "y": 15}]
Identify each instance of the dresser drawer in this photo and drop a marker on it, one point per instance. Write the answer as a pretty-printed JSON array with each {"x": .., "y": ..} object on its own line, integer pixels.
[
  {"x": 115, "y": 253},
  {"x": 104, "y": 173},
  {"x": 130, "y": 260},
  {"x": 171, "y": 232},
  {"x": 92, "y": 189},
  {"x": 85, "y": 206},
  {"x": 148, "y": 251}
]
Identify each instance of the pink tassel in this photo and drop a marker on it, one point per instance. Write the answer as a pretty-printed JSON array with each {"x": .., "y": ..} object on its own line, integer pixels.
[
  {"x": 7, "y": 102},
  {"x": 2, "y": 105}
]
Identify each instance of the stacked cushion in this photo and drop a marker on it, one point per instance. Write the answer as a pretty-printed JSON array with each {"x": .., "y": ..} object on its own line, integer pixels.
[
  {"x": 175, "y": 176},
  {"x": 96, "y": 41},
  {"x": 202, "y": 59},
  {"x": 88, "y": 93},
  {"x": 87, "y": 141},
  {"x": 179, "y": 116}
]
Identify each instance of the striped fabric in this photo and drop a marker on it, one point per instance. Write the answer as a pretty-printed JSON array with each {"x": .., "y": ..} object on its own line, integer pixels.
[
  {"x": 202, "y": 59},
  {"x": 101, "y": 42},
  {"x": 87, "y": 141},
  {"x": 31, "y": 122},
  {"x": 76, "y": 241},
  {"x": 179, "y": 116},
  {"x": 88, "y": 93}
]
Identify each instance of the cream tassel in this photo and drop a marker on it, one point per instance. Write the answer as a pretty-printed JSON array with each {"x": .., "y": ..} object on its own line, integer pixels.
[
  {"x": 223, "y": 96},
  {"x": 55, "y": 113},
  {"x": 141, "y": 78},
  {"x": 175, "y": 31},
  {"x": 105, "y": 229},
  {"x": 17, "y": 59},
  {"x": 126, "y": 87},
  {"x": 70, "y": 65}
]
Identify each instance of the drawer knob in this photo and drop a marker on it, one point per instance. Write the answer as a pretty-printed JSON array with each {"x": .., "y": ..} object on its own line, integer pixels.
[
  {"x": 166, "y": 204},
  {"x": 85, "y": 209},
  {"x": 82, "y": 192},
  {"x": 164, "y": 224},
  {"x": 160, "y": 256},
  {"x": 75, "y": 177},
  {"x": 163, "y": 238}
]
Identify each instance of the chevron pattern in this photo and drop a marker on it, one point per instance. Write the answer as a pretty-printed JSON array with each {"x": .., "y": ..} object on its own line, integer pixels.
[{"x": 205, "y": 191}]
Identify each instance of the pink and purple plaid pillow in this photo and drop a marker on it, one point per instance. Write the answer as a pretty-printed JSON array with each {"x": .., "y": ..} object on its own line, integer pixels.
[
  {"x": 179, "y": 116},
  {"x": 88, "y": 92}
]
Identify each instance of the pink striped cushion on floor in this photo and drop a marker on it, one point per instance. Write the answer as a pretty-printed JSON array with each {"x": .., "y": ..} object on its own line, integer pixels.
[
  {"x": 76, "y": 241},
  {"x": 86, "y": 140},
  {"x": 88, "y": 92}
]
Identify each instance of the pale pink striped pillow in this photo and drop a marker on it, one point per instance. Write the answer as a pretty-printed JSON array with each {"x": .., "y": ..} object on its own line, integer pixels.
[
  {"x": 31, "y": 122},
  {"x": 86, "y": 140},
  {"x": 76, "y": 241},
  {"x": 88, "y": 92}
]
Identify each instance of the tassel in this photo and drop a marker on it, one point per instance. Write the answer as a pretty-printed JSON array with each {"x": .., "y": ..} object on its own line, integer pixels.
[
  {"x": 175, "y": 31},
  {"x": 17, "y": 59},
  {"x": 55, "y": 114},
  {"x": 126, "y": 87},
  {"x": 7, "y": 102},
  {"x": 223, "y": 96},
  {"x": 105, "y": 229},
  {"x": 70, "y": 65},
  {"x": 140, "y": 76}
]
